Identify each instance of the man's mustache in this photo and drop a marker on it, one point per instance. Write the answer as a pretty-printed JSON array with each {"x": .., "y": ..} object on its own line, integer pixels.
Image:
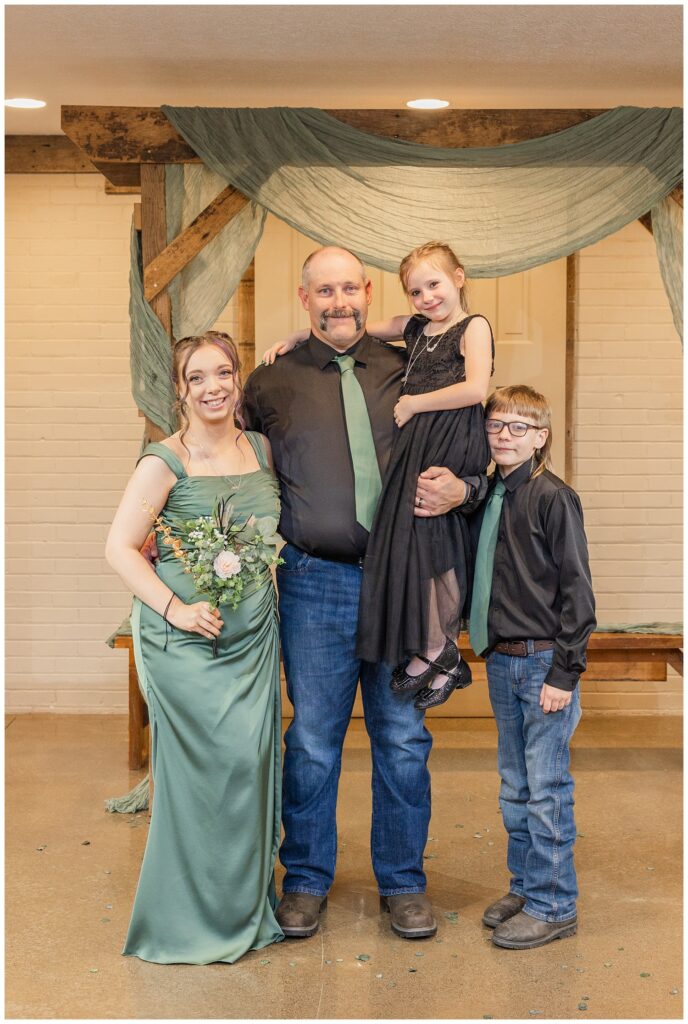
[{"x": 341, "y": 314}]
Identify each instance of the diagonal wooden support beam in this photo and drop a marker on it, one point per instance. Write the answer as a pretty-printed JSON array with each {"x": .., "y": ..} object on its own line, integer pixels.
[{"x": 207, "y": 225}]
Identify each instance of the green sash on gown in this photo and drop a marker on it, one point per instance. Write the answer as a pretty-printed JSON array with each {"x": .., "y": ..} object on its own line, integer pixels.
[{"x": 206, "y": 891}]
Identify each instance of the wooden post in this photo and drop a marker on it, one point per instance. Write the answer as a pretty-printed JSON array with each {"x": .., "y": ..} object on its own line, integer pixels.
[
  {"x": 153, "y": 241},
  {"x": 246, "y": 301},
  {"x": 570, "y": 371}
]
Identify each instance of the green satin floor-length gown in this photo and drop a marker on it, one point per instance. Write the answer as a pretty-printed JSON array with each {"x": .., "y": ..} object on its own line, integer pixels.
[{"x": 206, "y": 891}]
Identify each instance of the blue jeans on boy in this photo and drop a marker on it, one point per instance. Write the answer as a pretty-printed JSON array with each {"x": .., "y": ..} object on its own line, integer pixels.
[
  {"x": 318, "y": 602},
  {"x": 536, "y": 795}
]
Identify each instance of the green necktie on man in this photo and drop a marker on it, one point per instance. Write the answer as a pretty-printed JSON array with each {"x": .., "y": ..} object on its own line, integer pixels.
[{"x": 367, "y": 481}]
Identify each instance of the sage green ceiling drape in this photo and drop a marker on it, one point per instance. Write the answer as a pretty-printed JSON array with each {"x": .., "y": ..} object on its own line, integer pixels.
[{"x": 503, "y": 209}]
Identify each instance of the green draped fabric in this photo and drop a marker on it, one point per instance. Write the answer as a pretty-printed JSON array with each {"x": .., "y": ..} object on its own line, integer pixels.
[
  {"x": 150, "y": 355},
  {"x": 503, "y": 209},
  {"x": 667, "y": 227},
  {"x": 203, "y": 288}
]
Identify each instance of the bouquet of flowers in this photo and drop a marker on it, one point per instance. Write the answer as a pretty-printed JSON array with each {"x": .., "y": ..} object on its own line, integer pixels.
[{"x": 221, "y": 554}]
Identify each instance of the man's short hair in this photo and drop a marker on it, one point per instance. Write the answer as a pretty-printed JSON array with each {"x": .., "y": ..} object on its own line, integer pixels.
[{"x": 307, "y": 262}]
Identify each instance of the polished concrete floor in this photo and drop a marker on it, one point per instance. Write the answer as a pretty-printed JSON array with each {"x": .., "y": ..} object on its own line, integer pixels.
[{"x": 72, "y": 869}]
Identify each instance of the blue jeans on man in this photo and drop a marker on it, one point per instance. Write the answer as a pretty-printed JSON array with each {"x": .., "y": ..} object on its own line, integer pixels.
[
  {"x": 318, "y": 602},
  {"x": 536, "y": 795}
]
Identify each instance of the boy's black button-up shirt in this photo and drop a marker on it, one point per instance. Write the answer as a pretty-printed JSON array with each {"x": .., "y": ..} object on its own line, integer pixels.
[{"x": 541, "y": 584}]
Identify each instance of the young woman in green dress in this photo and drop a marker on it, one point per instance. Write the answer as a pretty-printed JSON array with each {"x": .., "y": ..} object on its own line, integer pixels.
[{"x": 206, "y": 890}]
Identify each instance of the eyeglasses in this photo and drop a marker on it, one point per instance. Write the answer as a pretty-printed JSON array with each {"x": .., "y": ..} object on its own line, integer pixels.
[{"x": 515, "y": 429}]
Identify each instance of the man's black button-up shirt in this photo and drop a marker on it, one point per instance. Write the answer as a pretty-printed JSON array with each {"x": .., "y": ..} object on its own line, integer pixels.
[
  {"x": 541, "y": 584},
  {"x": 297, "y": 403}
]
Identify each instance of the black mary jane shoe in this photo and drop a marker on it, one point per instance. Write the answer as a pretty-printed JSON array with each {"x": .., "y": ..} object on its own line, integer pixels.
[
  {"x": 457, "y": 680},
  {"x": 446, "y": 661}
]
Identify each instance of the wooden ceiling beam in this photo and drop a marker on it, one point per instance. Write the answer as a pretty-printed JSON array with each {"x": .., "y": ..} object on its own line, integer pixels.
[
  {"x": 45, "y": 154},
  {"x": 112, "y": 136}
]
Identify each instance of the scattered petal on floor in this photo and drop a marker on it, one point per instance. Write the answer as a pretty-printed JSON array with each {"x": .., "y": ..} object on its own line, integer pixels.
[
  {"x": 42, "y": 848},
  {"x": 328, "y": 961},
  {"x": 105, "y": 920},
  {"x": 477, "y": 835},
  {"x": 107, "y": 872},
  {"x": 458, "y": 826},
  {"x": 620, "y": 948},
  {"x": 582, "y": 1006},
  {"x": 452, "y": 915},
  {"x": 608, "y": 963},
  {"x": 580, "y": 835},
  {"x": 673, "y": 991},
  {"x": 645, "y": 974},
  {"x": 265, "y": 962},
  {"x": 363, "y": 956},
  {"x": 340, "y": 959},
  {"x": 93, "y": 970},
  {"x": 420, "y": 954},
  {"x": 108, "y": 906},
  {"x": 534, "y": 1013},
  {"x": 86, "y": 842},
  {"x": 392, "y": 984},
  {"x": 413, "y": 970},
  {"x": 378, "y": 975},
  {"x": 292, "y": 963}
]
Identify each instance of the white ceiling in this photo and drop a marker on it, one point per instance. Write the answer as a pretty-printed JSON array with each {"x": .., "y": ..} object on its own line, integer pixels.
[{"x": 340, "y": 56}]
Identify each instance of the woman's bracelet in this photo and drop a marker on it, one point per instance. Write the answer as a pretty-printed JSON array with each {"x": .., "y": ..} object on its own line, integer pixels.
[{"x": 167, "y": 608}]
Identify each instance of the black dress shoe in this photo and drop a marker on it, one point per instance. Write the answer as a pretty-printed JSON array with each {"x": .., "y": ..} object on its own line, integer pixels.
[
  {"x": 411, "y": 915},
  {"x": 458, "y": 680},
  {"x": 446, "y": 661},
  {"x": 298, "y": 914},
  {"x": 525, "y": 932}
]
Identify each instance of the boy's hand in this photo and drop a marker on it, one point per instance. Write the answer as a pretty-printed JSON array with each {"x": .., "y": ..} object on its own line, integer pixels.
[
  {"x": 552, "y": 699},
  {"x": 404, "y": 410}
]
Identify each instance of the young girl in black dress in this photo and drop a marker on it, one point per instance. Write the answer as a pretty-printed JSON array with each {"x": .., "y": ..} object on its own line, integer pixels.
[{"x": 417, "y": 569}]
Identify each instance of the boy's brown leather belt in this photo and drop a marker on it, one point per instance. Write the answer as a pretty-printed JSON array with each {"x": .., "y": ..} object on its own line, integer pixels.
[{"x": 519, "y": 648}]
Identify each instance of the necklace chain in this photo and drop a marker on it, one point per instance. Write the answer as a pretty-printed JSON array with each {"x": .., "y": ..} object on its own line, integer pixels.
[
  {"x": 235, "y": 481},
  {"x": 413, "y": 358}
]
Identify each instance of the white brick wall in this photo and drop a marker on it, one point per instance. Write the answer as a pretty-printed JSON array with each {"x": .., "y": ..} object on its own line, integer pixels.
[
  {"x": 72, "y": 437},
  {"x": 628, "y": 450}
]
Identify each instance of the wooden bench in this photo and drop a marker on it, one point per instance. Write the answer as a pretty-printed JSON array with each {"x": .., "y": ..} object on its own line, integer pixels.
[{"x": 632, "y": 652}]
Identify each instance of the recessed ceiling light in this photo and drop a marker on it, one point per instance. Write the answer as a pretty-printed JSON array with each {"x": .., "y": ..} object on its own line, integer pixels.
[
  {"x": 427, "y": 104},
  {"x": 23, "y": 102}
]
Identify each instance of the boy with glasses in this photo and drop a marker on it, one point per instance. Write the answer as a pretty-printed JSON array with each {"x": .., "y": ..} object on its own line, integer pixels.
[{"x": 532, "y": 612}]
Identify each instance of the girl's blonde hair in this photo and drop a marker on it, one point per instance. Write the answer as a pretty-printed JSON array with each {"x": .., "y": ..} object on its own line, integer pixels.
[
  {"x": 521, "y": 400},
  {"x": 183, "y": 350},
  {"x": 440, "y": 255}
]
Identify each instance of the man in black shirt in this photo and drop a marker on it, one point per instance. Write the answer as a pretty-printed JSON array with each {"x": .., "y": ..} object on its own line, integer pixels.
[
  {"x": 532, "y": 613},
  {"x": 303, "y": 405}
]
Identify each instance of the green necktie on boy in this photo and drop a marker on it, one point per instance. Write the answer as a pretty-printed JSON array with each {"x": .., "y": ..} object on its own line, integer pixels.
[{"x": 484, "y": 565}]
